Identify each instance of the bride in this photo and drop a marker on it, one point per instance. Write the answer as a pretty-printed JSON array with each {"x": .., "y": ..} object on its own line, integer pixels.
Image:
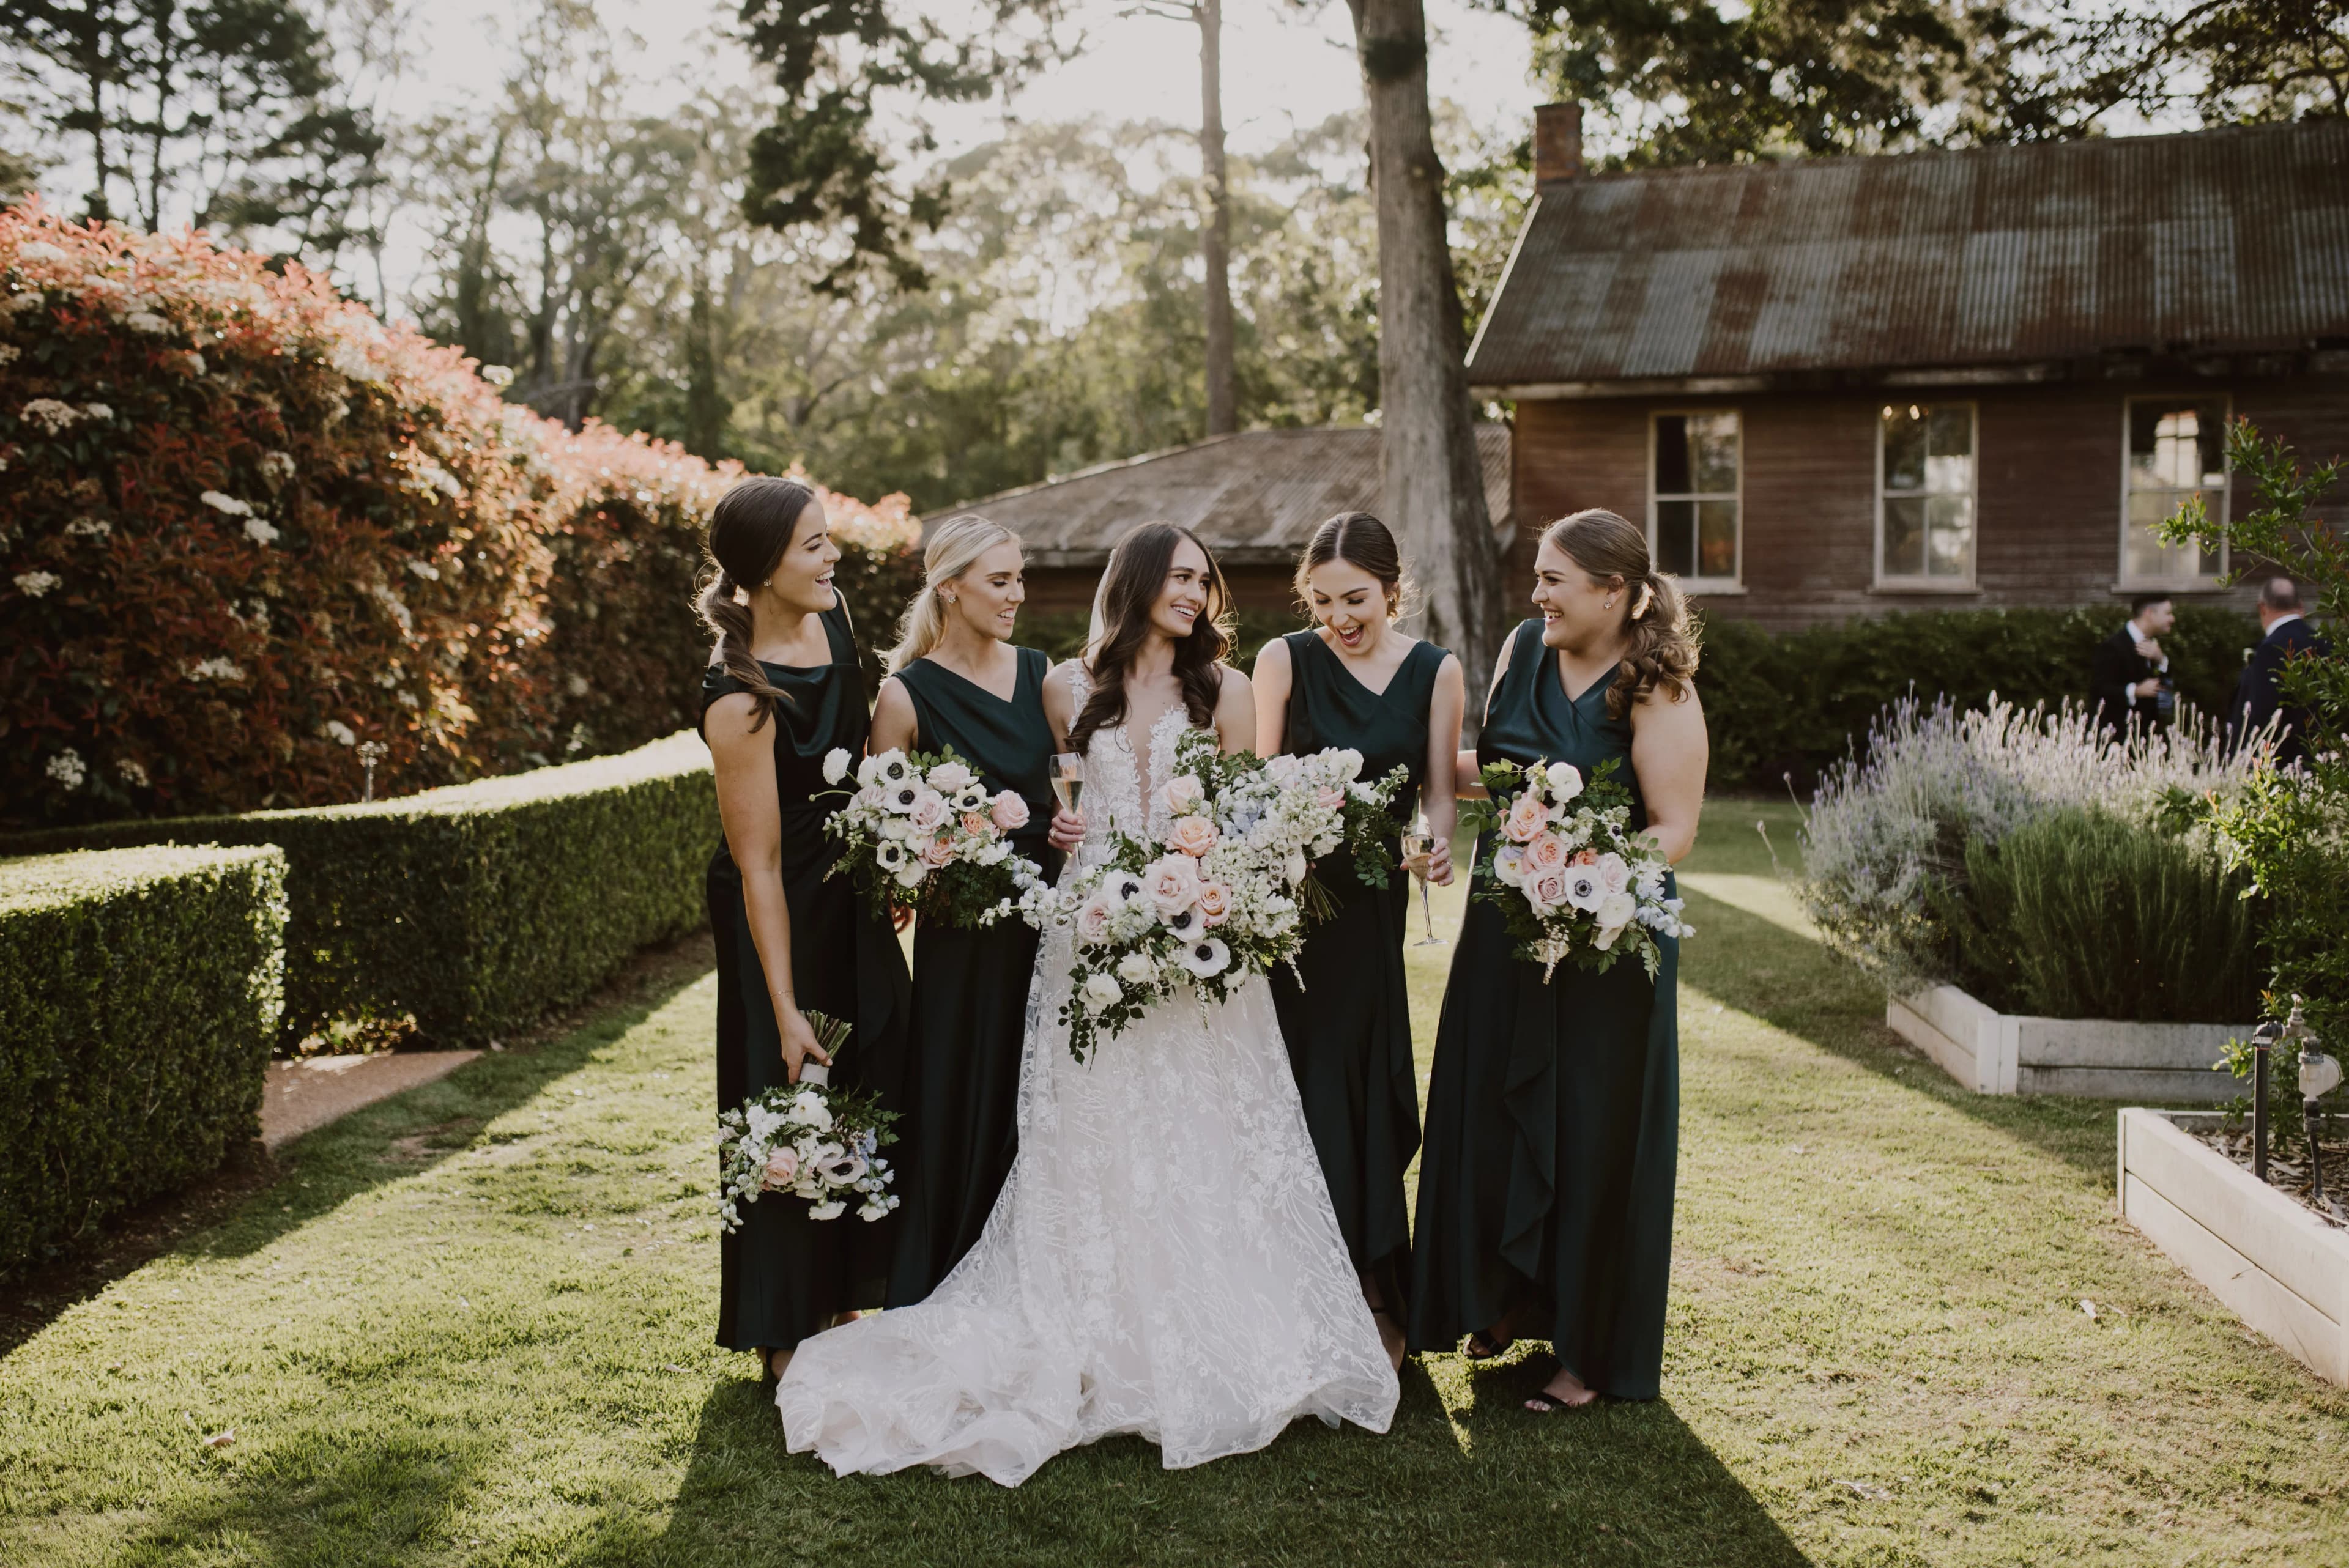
[{"x": 1164, "y": 1259}]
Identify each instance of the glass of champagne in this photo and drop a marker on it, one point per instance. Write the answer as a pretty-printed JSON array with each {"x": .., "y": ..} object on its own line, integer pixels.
[
  {"x": 1068, "y": 770},
  {"x": 1417, "y": 845}
]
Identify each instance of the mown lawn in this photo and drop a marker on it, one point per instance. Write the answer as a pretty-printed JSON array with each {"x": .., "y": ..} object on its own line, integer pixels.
[{"x": 473, "y": 1326}]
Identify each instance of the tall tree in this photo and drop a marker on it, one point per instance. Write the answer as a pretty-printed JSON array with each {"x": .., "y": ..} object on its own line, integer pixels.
[
  {"x": 1215, "y": 180},
  {"x": 2228, "y": 60},
  {"x": 1431, "y": 483}
]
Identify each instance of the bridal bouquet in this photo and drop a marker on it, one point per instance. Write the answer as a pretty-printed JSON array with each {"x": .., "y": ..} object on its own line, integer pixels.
[
  {"x": 1218, "y": 899},
  {"x": 1558, "y": 857},
  {"x": 809, "y": 1139},
  {"x": 922, "y": 831}
]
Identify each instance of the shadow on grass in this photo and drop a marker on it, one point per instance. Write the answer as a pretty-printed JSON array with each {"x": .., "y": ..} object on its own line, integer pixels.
[
  {"x": 1794, "y": 983},
  {"x": 1619, "y": 1485},
  {"x": 256, "y": 1198}
]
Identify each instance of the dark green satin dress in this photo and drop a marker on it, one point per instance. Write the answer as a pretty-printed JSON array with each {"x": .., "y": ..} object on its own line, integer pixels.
[
  {"x": 1553, "y": 1112},
  {"x": 782, "y": 1276},
  {"x": 1347, "y": 1028},
  {"x": 971, "y": 989}
]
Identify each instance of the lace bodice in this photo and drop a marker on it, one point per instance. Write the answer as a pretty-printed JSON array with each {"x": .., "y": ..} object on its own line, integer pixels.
[{"x": 1119, "y": 797}]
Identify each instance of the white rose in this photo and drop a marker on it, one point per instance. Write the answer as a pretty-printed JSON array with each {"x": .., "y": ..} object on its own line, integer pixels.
[
  {"x": 1613, "y": 913},
  {"x": 868, "y": 773},
  {"x": 835, "y": 764},
  {"x": 1103, "y": 992},
  {"x": 1136, "y": 969},
  {"x": 1565, "y": 781},
  {"x": 948, "y": 777}
]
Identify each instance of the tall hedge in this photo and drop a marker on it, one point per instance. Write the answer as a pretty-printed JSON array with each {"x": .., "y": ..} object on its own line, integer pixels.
[
  {"x": 140, "y": 994},
  {"x": 461, "y": 913},
  {"x": 249, "y": 528},
  {"x": 1792, "y": 703}
]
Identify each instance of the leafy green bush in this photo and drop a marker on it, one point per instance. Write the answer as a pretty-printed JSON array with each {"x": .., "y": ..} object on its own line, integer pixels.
[
  {"x": 1777, "y": 703},
  {"x": 139, "y": 994},
  {"x": 465, "y": 912},
  {"x": 2081, "y": 914}
]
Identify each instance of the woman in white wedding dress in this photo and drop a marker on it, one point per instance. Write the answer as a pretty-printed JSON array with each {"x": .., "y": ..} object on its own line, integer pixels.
[{"x": 1164, "y": 1259}]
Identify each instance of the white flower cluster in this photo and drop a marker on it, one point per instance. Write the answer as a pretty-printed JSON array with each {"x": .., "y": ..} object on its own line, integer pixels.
[
  {"x": 68, "y": 769},
  {"x": 220, "y": 668},
  {"x": 914, "y": 817},
  {"x": 33, "y": 584},
  {"x": 53, "y": 416},
  {"x": 89, "y": 528},
  {"x": 1213, "y": 901},
  {"x": 789, "y": 1141},
  {"x": 1584, "y": 877}
]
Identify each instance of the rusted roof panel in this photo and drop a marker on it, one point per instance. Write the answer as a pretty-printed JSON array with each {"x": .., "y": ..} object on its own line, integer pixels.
[
  {"x": 2231, "y": 241},
  {"x": 1254, "y": 497}
]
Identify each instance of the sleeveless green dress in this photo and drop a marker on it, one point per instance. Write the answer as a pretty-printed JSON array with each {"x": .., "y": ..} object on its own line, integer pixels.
[
  {"x": 971, "y": 989},
  {"x": 782, "y": 1276},
  {"x": 1553, "y": 1112},
  {"x": 1347, "y": 1028}
]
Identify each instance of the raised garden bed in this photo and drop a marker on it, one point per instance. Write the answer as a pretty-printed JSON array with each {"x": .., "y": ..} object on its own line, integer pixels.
[
  {"x": 2008, "y": 1053},
  {"x": 2282, "y": 1267}
]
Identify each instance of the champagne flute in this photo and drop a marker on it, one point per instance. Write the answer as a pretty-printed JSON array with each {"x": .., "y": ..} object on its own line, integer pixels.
[
  {"x": 1068, "y": 770},
  {"x": 1417, "y": 845}
]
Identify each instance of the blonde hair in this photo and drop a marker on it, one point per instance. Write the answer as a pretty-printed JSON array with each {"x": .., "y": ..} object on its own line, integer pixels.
[
  {"x": 954, "y": 549},
  {"x": 1663, "y": 651}
]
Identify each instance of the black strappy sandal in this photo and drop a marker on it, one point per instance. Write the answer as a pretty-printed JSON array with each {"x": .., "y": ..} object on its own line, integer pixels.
[{"x": 1480, "y": 1348}]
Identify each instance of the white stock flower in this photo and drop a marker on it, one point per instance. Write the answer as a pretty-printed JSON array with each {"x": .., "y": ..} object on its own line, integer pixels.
[
  {"x": 225, "y": 504},
  {"x": 258, "y": 531},
  {"x": 68, "y": 769},
  {"x": 835, "y": 764},
  {"x": 1102, "y": 991},
  {"x": 33, "y": 584}
]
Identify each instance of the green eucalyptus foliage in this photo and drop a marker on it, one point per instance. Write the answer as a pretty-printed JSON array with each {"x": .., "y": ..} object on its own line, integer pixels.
[{"x": 139, "y": 993}]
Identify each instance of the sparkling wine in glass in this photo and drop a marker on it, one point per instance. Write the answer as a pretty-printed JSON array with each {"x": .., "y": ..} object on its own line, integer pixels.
[
  {"x": 1417, "y": 846},
  {"x": 1068, "y": 780}
]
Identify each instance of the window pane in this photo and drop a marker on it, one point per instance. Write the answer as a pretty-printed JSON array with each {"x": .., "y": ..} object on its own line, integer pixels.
[
  {"x": 1952, "y": 543},
  {"x": 1904, "y": 448},
  {"x": 1716, "y": 543},
  {"x": 1713, "y": 438},
  {"x": 1950, "y": 431},
  {"x": 1672, "y": 454},
  {"x": 1676, "y": 537},
  {"x": 2177, "y": 446},
  {"x": 2146, "y": 559},
  {"x": 1904, "y": 537}
]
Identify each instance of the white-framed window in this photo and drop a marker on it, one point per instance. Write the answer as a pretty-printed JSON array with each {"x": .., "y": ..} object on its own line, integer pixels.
[
  {"x": 1695, "y": 481},
  {"x": 1925, "y": 494},
  {"x": 2173, "y": 447}
]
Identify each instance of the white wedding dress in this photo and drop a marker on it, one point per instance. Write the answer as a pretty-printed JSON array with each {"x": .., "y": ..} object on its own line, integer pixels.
[{"x": 1164, "y": 1259}]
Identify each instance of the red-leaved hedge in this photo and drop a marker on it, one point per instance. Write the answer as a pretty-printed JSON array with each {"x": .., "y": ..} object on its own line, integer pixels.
[{"x": 248, "y": 527}]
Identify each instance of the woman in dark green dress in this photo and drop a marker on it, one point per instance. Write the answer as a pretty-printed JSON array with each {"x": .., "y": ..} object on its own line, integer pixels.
[
  {"x": 959, "y": 683},
  {"x": 784, "y": 690},
  {"x": 1355, "y": 681},
  {"x": 1546, "y": 1180}
]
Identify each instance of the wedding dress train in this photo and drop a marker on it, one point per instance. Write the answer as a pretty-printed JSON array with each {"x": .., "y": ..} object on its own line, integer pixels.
[{"x": 1164, "y": 1259}]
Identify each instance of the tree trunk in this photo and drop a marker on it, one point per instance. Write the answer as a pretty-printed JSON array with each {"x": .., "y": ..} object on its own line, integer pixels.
[
  {"x": 1216, "y": 241},
  {"x": 1432, "y": 484},
  {"x": 706, "y": 406}
]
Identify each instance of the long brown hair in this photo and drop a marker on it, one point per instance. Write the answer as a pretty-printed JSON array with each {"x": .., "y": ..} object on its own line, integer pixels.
[
  {"x": 1136, "y": 576},
  {"x": 749, "y": 529},
  {"x": 1663, "y": 644},
  {"x": 1359, "y": 539}
]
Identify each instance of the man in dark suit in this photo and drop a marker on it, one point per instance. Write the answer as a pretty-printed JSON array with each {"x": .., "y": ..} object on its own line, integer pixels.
[
  {"x": 2258, "y": 694},
  {"x": 2129, "y": 678}
]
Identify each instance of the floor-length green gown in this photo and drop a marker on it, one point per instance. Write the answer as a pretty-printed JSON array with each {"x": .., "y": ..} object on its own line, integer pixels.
[
  {"x": 971, "y": 989},
  {"x": 1347, "y": 1028},
  {"x": 1553, "y": 1112},
  {"x": 782, "y": 1276}
]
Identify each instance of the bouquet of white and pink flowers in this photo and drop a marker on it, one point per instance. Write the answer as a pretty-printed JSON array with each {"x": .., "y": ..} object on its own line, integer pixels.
[
  {"x": 921, "y": 832},
  {"x": 809, "y": 1139},
  {"x": 1558, "y": 857},
  {"x": 1218, "y": 900}
]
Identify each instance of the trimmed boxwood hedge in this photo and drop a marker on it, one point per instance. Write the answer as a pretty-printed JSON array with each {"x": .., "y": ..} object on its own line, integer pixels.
[
  {"x": 472, "y": 910},
  {"x": 1780, "y": 703},
  {"x": 139, "y": 994}
]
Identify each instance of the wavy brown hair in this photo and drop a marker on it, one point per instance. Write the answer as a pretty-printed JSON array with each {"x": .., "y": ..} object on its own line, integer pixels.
[
  {"x": 750, "y": 528},
  {"x": 1136, "y": 576},
  {"x": 1664, "y": 643}
]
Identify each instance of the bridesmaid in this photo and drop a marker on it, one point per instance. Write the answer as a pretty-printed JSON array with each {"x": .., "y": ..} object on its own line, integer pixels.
[
  {"x": 784, "y": 689},
  {"x": 1353, "y": 680},
  {"x": 1545, "y": 1184},
  {"x": 961, "y": 683}
]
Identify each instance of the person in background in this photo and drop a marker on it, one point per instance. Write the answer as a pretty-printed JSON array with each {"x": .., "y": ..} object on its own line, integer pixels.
[
  {"x": 2128, "y": 679},
  {"x": 2258, "y": 694}
]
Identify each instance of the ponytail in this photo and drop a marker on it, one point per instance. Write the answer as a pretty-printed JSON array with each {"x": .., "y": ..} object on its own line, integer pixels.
[
  {"x": 954, "y": 549},
  {"x": 1663, "y": 649},
  {"x": 749, "y": 529}
]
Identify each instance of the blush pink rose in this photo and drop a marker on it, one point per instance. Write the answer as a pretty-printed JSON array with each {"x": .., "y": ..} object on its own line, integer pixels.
[
  {"x": 1584, "y": 858},
  {"x": 1192, "y": 836},
  {"x": 1182, "y": 791},
  {"x": 1172, "y": 884},
  {"x": 1546, "y": 891},
  {"x": 938, "y": 851},
  {"x": 1615, "y": 871},
  {"x": 975, "y": 824},
  {"x": 929, "y": 812},
  {"x": 1546, "y": 852},
  {"x": 1527, "y": 817},
  {"x": 1009, "y": 811},
  {"x": 783, "y": 1168},
  {"x": 1329, "y": 796},
  {"x": 1092, "y": 920},
  {"x": 1215, "y": 902}
]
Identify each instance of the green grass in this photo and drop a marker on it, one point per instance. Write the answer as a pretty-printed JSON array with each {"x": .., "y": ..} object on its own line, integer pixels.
[{"x": 472, "y": 1325}]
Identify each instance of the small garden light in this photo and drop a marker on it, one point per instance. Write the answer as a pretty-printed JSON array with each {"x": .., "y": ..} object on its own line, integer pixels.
[
  {"x": 370, "y": 753},
  {"x": 2319, "y": 1075},
  {"x": 2263, "y": 1040}
]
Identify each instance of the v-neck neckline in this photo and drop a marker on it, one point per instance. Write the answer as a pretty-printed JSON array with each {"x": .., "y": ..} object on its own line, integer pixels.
[
  {"x": 1006, "y": 701},
  {"x": 1558, "y": 679},
  {"x": 1362, "y": 685}
]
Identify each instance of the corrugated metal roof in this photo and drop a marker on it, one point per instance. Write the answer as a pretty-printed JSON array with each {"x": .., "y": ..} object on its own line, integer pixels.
[
  {"x": 1254, "y": 497},
  {"x": 2231, "y": 241}
]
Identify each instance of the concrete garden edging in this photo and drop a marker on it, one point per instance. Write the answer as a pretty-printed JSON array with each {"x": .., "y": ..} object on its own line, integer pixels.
[
  {"x": 2277, "y": 1264},
  {"x": 1993, "y": 1052}
]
